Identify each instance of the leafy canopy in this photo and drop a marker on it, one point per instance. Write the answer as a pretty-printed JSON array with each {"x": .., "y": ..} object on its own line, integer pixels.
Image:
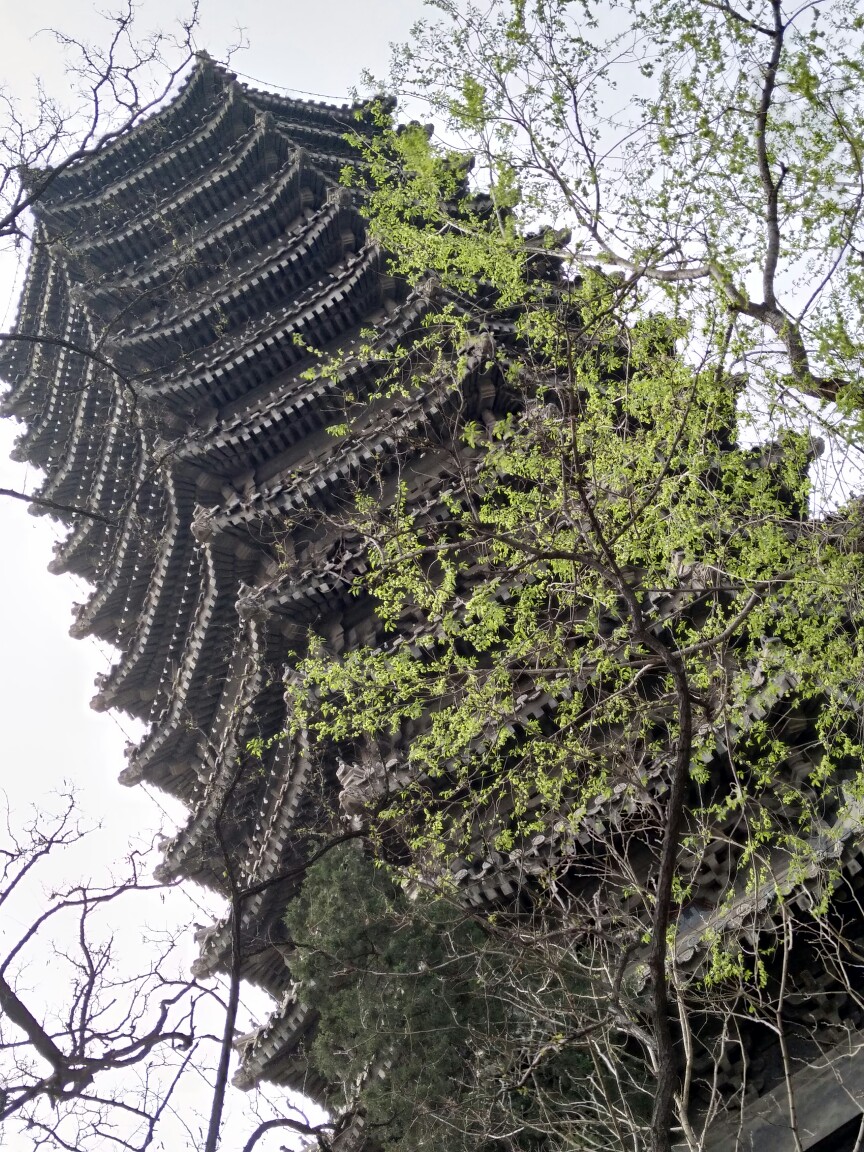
[{"x": 616, "y": 602}]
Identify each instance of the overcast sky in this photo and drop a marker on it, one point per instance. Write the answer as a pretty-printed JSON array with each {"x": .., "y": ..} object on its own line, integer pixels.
[{"x": 49, "y": 735}]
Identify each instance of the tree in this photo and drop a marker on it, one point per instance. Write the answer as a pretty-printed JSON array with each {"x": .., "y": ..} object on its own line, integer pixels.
[
  {"x": 423, "y": 1009},
  {"x": 66, "y": 1070},
  {"x": 731, "y": 176},
  {"x": 107, "y": 1050},
  {"x": 617, "y": 660}
]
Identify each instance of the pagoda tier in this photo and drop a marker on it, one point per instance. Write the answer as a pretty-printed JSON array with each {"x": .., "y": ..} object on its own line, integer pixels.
[
  {"x": 178, "y": 277},
  {"x": 158, "y": 134},
  {"x": 149, "y": 187},
  {"x": 274, "y": 1052}
]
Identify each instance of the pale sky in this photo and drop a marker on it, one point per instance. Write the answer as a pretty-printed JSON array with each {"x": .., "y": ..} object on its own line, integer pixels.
[{"x": 49, "y": 735}]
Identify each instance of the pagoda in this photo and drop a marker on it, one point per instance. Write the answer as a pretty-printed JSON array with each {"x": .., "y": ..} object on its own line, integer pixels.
[{"x": 210, "y": 258}]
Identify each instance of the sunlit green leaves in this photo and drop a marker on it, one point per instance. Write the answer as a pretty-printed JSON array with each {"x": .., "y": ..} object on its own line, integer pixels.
[{"x": 616, "y": 495}]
